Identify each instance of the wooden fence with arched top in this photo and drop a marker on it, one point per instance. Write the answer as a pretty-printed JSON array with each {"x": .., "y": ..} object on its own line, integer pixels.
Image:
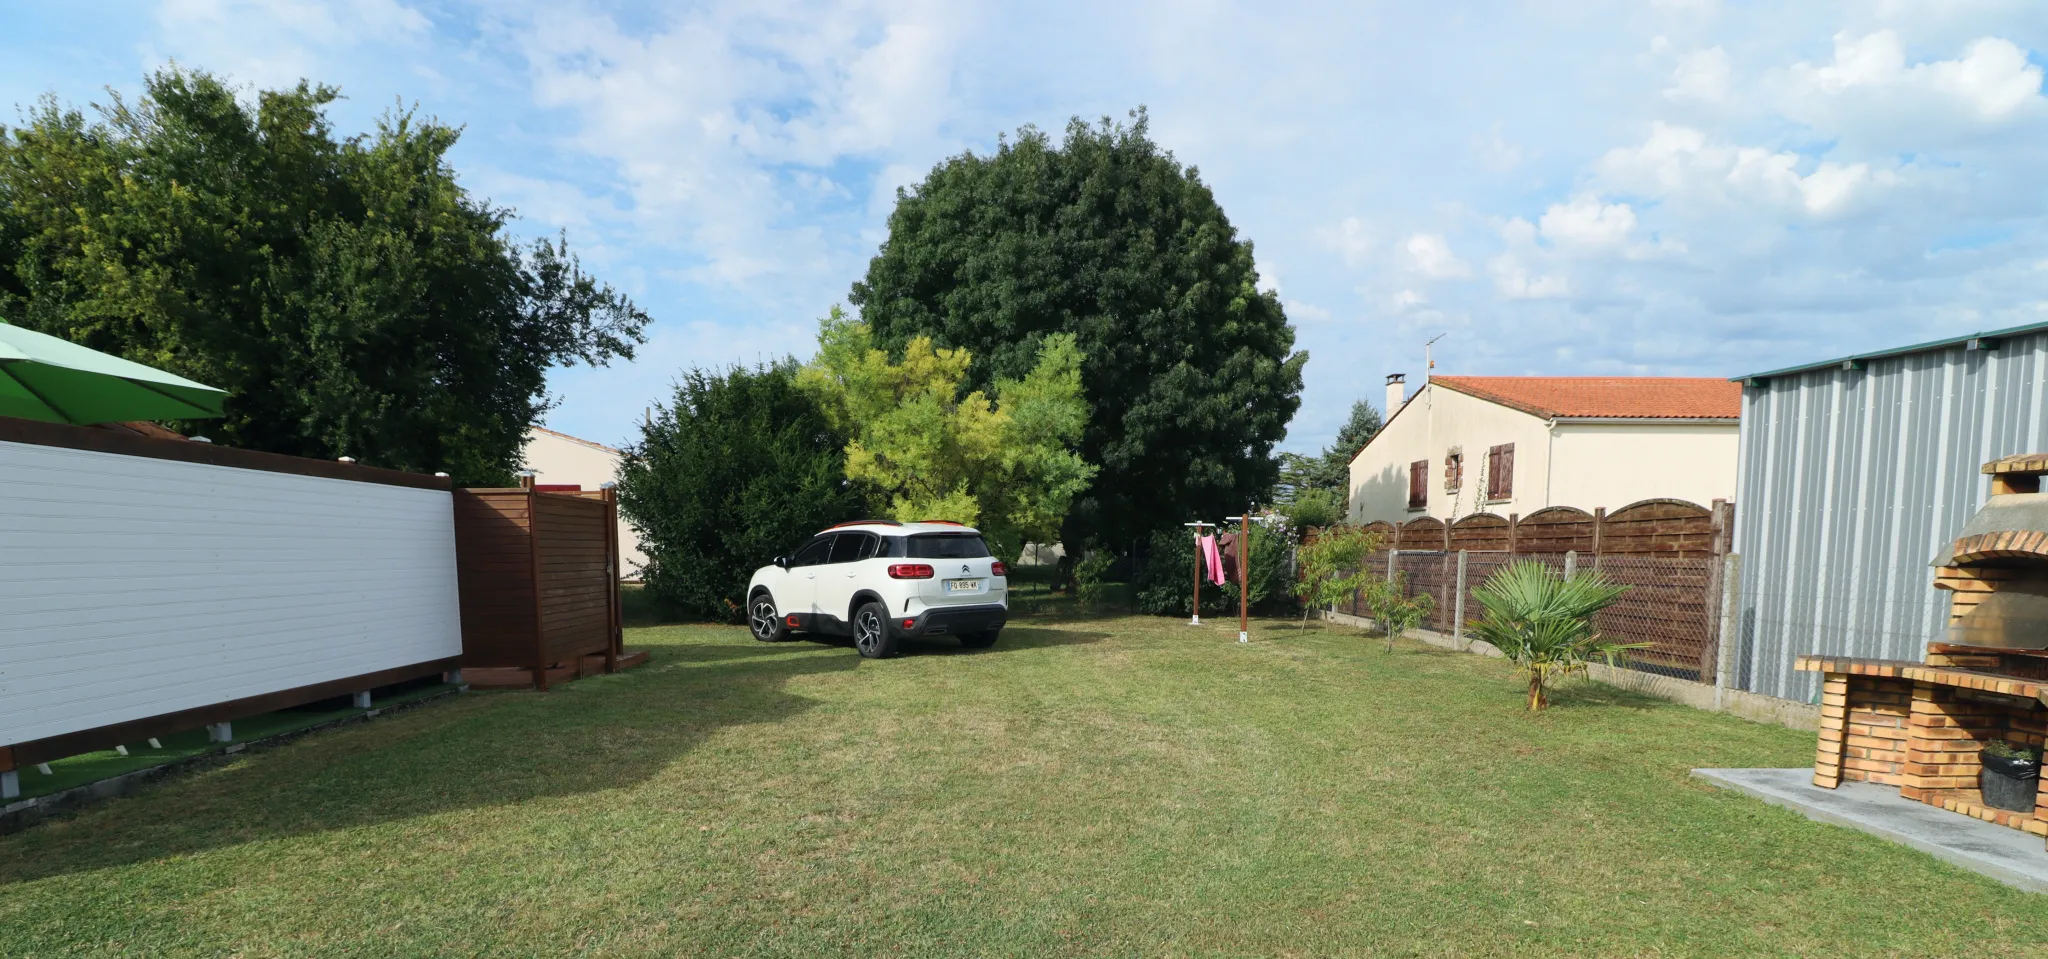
[{"x": 1671, "y": 554}]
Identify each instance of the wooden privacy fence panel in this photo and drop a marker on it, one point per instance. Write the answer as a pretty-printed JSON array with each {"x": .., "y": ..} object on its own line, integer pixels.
[
  {"x": 1670, "y": 553},
  {"x": 539, "y": 575},
  {"x": 1480, "y": 531}
]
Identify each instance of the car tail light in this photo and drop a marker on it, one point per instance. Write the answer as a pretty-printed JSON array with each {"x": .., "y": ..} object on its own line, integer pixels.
[
  {"x": 910, "y": 571},
  {"x": 998, "y": 568}
]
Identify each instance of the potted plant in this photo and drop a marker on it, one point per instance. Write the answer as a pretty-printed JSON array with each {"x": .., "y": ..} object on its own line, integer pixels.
[{"x": 2011, "y": 776}]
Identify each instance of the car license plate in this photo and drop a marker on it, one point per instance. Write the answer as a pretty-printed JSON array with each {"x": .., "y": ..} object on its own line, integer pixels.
[{"x": 962, "y": 585}]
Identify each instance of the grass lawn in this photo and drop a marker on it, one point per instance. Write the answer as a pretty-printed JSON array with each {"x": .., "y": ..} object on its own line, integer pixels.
[{"x": 1112, "y": 787}]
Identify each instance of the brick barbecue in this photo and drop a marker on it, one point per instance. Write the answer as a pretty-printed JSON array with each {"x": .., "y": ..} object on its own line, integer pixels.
[{"x": 1919, "y": 726}]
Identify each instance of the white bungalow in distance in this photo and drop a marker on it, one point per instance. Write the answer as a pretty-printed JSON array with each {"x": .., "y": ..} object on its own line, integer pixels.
[{"x": 1517, "y": 444}]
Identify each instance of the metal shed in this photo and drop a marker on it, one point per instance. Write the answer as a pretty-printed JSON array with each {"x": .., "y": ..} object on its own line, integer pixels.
[{"x": 1854, "y": 473}]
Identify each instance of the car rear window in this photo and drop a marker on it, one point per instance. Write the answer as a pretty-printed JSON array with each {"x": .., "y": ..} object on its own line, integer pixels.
[{"x": 946, "y": 546}]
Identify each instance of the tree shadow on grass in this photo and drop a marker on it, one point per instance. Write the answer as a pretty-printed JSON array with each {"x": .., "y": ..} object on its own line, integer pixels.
[
  {"x": 1582, "y": 692},
  {"x": 480, "y": 750}
]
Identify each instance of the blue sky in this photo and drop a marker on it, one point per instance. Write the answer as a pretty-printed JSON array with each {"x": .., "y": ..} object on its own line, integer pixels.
[{"x": 1572, "y": 187}]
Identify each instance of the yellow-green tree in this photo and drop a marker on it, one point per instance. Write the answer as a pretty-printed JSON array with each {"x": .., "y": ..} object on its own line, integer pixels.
[{"x": 920, "y": 449}]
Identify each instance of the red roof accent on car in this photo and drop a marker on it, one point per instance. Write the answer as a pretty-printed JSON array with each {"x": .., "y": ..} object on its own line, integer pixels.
[{"x": 1619, "y": 397}]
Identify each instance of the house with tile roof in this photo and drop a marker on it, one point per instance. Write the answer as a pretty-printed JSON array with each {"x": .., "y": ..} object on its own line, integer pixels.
[{"x": 1516, "y": 444}]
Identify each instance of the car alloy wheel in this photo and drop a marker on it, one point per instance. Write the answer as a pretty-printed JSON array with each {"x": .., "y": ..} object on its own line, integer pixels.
[
  {"x": 868, "y": 633},
  {"x": 764, "y": 620}
]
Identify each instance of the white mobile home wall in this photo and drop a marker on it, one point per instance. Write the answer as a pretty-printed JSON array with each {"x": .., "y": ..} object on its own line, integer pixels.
[
  {"x": 1852, "y": 480},
  {"x": 134, "y": 587}
]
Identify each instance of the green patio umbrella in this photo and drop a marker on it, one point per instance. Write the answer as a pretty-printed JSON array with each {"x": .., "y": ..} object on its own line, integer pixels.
[{"x": 57, "y": 381}]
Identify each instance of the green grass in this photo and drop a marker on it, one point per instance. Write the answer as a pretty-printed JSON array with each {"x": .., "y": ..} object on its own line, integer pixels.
[{"x": 1113, "y": 787}]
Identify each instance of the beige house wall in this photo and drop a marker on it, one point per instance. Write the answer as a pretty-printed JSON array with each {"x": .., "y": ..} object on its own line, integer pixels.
[
  {"x": 1615, "y": 464},
  {"x": 1432, "y": 422},
  {"x": 1562, "y": 463},
  {"x": 563, "y": 460}
]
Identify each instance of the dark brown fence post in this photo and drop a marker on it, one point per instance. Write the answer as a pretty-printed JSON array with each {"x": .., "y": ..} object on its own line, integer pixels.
[
  {"x": 1717, "y": 563},
  {"x": 1514, "y": 520},
  {"x": 1599, "y": 529},
  {"x": 540, "y": 642}
]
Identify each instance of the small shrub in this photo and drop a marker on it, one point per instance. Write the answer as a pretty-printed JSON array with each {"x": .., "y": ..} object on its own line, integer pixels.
[
  {"x": 1315, "y": 509},
  {"x": 1091, "y": 577},
  {"x": 1394, "y": 610},
  {"x": 1333, "y": 567}
]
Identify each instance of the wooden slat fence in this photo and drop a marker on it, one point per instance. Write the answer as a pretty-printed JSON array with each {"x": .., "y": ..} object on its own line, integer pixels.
[{"x": 1670, "y": 554}]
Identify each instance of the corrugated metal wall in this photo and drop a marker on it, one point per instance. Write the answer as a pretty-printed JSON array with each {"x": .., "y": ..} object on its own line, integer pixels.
[{"x": 1851, "y": 481}]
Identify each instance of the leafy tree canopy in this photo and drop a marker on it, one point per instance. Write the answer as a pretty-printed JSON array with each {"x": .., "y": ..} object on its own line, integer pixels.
[
  {"x": 1189, "y": 367},
  {"x": 351, "y": 296},
  {"x": 739, "y": 467},
  {"x": 926, "y": 451}
]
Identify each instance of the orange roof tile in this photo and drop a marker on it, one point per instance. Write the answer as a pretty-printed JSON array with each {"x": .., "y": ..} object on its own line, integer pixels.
[{"x": 1620, "y": 397}]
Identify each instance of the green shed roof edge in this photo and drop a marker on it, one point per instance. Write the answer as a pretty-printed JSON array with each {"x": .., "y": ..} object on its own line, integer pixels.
[{"x": 1898, "y": 351}]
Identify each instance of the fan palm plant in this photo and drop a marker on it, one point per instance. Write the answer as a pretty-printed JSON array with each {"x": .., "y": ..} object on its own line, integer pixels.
[{"x": 1543, "y": 622}]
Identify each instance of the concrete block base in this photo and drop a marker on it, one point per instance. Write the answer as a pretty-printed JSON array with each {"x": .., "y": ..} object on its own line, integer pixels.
[{"x": 2007, "y": 855}]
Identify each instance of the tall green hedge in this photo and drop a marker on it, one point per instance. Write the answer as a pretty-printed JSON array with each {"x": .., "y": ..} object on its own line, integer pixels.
[{"x": 739, "y": 468}]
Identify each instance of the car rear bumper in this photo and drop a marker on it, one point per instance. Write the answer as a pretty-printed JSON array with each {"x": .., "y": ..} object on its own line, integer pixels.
[{"x": 952, "y": 620}]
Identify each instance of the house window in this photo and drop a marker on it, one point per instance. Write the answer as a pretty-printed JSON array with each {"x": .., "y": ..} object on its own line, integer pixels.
[
  {"x": 1500, "y": 472},
  {"x": 1418, "y": 484},
  {"x": 1454, "y": 470}
]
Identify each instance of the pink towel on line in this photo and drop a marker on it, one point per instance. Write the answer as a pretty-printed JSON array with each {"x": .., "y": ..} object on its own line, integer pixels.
[{"x": 1211, "y": 558}]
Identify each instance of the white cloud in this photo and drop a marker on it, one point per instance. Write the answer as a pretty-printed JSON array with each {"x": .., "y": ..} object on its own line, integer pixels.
[
  {"x": 723, "y": 123},
  {"x": 1514, "y": 281},
  {"x": 276, "y": 43},
  {"x": 1300, "y": 310},
  {"x": 1870, "y": 94},
  {"x": 1587, "y": 222},
  {"x": 1350, "y": 239},
  {"x": 1680, "y": 164},
  {"x": 1702, "y": 77},
  {"x": 1430, "y": 255}
]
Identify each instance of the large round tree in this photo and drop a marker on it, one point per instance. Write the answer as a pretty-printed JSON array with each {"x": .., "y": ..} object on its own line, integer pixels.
[{"x": 1190, "y": 368}]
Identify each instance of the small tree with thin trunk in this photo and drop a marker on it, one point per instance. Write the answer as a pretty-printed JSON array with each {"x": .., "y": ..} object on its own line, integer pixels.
[
  {"x": 1332, "y": 563},
  {"x": 1395, "y": 610},
  {"x": 1543, "y": 622}
]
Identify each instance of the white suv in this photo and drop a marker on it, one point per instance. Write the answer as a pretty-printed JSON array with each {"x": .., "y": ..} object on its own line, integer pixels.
[{"x": 880, "y": 581}]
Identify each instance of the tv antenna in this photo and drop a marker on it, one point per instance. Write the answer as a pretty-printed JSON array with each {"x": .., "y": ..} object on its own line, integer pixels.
[{"x": 1429, "y": 364}]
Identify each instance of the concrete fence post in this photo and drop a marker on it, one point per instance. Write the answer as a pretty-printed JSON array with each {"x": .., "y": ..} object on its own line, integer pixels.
[
  {"x": 1458, "y": 605},
  {"x": 1731, "y": 597},
  {"x": 10, "y": 785},
  {"x": 1571, "y": 563}
]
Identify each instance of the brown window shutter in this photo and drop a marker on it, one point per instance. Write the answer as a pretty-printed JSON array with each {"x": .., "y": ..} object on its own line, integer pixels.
[
  {"x": 1506, "y": 472},
  {"x": 1418, "y": 483}
]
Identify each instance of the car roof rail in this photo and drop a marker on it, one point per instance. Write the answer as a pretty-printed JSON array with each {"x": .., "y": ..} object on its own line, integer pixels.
[
  {"x": 861, "y": 522},
  {"x": 941, "y": 522}
]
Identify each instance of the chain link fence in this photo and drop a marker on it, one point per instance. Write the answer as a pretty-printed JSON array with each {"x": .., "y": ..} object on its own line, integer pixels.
[{"x": 1672, "y": 604}]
